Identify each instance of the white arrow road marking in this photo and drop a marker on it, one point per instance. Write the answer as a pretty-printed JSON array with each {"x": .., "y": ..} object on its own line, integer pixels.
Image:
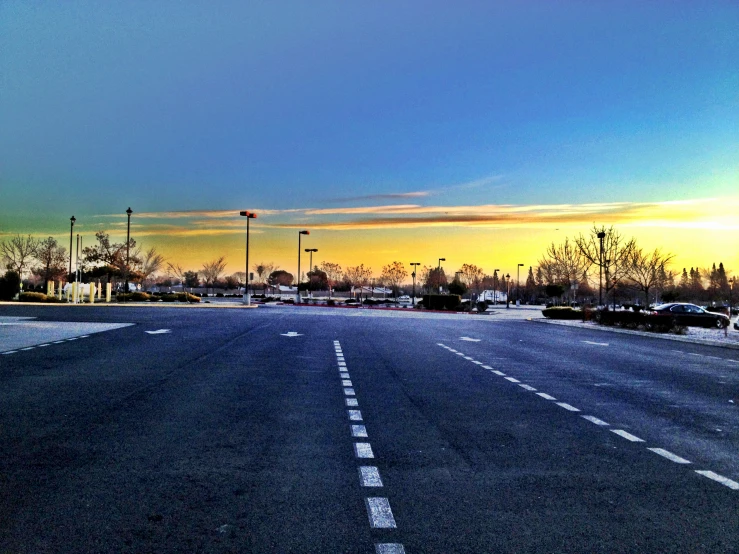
[
  {"x": 596, "y": 343},
  {"x": 159, "y": 332},
  {"x": 468, "y": 339},
  {"x": 291, "y": 334}
]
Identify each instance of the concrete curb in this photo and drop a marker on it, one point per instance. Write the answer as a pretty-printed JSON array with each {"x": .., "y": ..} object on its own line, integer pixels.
[{"x": 665, "y": 336}]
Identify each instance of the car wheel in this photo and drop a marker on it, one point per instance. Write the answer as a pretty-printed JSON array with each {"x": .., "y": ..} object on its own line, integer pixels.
[{"x": 720, "y": 323}]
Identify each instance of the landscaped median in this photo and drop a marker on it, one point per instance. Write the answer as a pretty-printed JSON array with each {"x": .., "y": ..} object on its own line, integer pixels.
[{"x": 621, "y": 318}]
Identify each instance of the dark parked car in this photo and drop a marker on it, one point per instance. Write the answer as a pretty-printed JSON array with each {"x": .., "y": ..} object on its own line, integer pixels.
[{"x": 691, "y": 315}]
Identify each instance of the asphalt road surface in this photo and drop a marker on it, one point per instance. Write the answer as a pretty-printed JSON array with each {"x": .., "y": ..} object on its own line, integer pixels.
[{"x": 303, "y": 429}]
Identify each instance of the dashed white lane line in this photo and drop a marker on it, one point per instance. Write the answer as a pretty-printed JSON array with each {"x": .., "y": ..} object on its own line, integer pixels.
[
  {"x": 363, "y": 450},
  {"x": 28, "y": 348},
  {"x": 486, "y": 367},
  {"x": 593, "y": 419},
  {"x": 627, "y": 436},
  {"x": 57, "y": 342},
  {"x": 527, "y": 387},
  {"x": 349, "y": 392},
  {"x": 380, "y": 514},
  {"x": 468, "y": 358},
  {"x": 359, "y": 431},
  {"x": 352, "y": 402},
  {"x": 43, "y": 345},
  {"x": 476, "y": 362},
  {"x": 499, "y": 373},
  {"x": 389, "y": 548},
  {"x": 545, "y": 396},
  {"x": 346, "y": 383},
  {"x": 73, "y": 338},
  {"x": 369, "y": 476},
  {"x": 567, "y": 407},
  {"x": 595, "y": 343},
  {"x": 733, "y": 485},
  {"x": 459, "y": 353},
  {"x": 512, "y": 379},
  {"x": 9, "y": 352},
  {"x": 354, "y": 415},
  {"x": 344, "y": 375},
  {"x": 669, "y": 455},
  {"x": 342, "y": 364}
]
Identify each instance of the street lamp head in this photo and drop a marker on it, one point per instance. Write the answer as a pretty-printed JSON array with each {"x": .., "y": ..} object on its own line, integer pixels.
[
  {"x": 442, "y": 259},
  {"x": 304, "y": 232},
  {"x": 601, "y": 235},
  {"x": 250, "y": 215},
  {"x": 72, "y": 219},
  {"x": 129, "y": 211},
  {"x": 520, "y": 265},
  {"x": 507, "y": 275},
  {"x": 311, "y": 249}
]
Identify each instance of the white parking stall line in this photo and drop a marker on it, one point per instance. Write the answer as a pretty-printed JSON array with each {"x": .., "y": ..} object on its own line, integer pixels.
[
  {"x": 512, "y": 379},
  {"x": 733, "y": 485},
  {"x": 669, "y": 455},
  {"x": 567, "y": 407},
  {"x": 380, "y": 514},
  {"x": 363, "y": 450},
  {"x": 626, "y": 435},
  {"x": 359, "y": 431},
  {"x": 352, "y": 402},
  {"x": 593, "y": 419},
  {"x": 369, "y": 476},
  {"x": 545, "y": 396},
  {"x": 389, "y": 548},
  {"x": 527, "y": 387},
  {"x": 354, "y": 415}
]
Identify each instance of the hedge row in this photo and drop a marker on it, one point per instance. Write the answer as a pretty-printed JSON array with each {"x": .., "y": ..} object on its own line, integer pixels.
[
  {"x": 441, "y": 301},
  {"x": 37, "y": 297},
  {"x": 563, "y": 312}
]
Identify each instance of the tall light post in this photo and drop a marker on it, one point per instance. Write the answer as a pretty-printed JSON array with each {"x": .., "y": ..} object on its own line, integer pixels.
[
  {"x": 247, "y": 296},
  {"x": 508, "y": 289},
  {"x": 600, "y": 236},
  {"x": 438, "y": 272},
  {"x": 310, "y": 267},
  {"x": 415, "y": 266},
  {"x": 71, "y": 228},
  {"x": 518, "y": 284},
  {"x": 297, "y": 279},
  {"x": 731, "y": 287},
  {"x": 495, "y": 285},
  {"x": 129, "y": 211}
]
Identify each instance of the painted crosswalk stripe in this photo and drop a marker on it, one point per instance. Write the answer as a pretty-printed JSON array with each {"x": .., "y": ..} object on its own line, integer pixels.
[
  {"x": 733, "y": 485},
  {"x": 354, "y": 415},
  {"x": 627, "y": 436},
  {"x": 369, "y": 476},
  {"x": 567, "y": 407},
  {"x": 344, "y": 375},
  {"x": 669, "y": 455},
  {"x": 593, "y": 419},
  {"x": 380, "y": 514},
  {"x": 346, "y": 383},
  {"x": 363, "y": 450},
  {"x": 359, "y": 431},
  {"x": 349, "y": 392},
  {"x": 352, "y": 402}
]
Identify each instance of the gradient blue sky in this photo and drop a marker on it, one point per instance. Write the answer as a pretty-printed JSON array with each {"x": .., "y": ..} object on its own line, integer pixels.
[{"x": 292, "y": 107}]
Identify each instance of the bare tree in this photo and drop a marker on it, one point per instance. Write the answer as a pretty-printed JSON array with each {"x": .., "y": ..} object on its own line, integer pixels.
[
  {"x": 613, "y": 261},
  {"x": 393, "y": 275},
  {"x": 645, "y": 270},
  {"x": 358, "y": 276},
  {"x": 18, "y": 252},
  {"x": 333, "y": 274},
  {"x": 178, "y": 273},
  {"x": 563, "y": 264},
  {"x": 52, "y": 259},
  {"x": 263, "y": 270},
  {"x": 212, "y": 270},
  {"x": 471, "y": 276},
  {"x": 151, "y": 262}
]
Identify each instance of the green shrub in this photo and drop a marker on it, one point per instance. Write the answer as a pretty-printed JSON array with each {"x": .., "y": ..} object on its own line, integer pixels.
[
  {"x": 563, "y": 312},
  {"x": 9, "y": 285},
  {"x": 137, "y": 296},
  {"x": 482, "y": 306},
  {"x": 441, "y": 301}
]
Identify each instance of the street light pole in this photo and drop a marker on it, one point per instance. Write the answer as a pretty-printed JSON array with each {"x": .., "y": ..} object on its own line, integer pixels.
[
  {"x": 600, "y": 236},
  {"x": 415, "y": 266},
  {"x": 508, "y": 289},
  {"x": 71, "y": 228},
  {"x": 310, "y": 267},
  {"x": 518, "y": 284},
  {"x": 495, "y": 285},
  {"x": 129, "y": 211},
  {"x": 438, "y": 272},
  {"x": 247, "y": 296},
  {"x": 297, "y": 279}
]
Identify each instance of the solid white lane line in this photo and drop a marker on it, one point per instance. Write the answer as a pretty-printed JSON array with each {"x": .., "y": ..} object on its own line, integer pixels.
[
  {"x": 669, "y": 455},
  {"x": 349, "y": 392},
  {"x": 389, "y": 548},
  {"x": 627, "y": 436},
  {"x": 344, "y": 375},
  {"x": 369, "y": 476},
  {"x": 363, "y": 450},
  {"x": 512, "y": 379},
  {"x": 593, "y": 419},
  {"x": 359, "y": 431},
  {"x": 498, "y": 372},
  {"x": 380, "y": 514},
  {"x": 567, "y": 407},
  {"x": 352, "y": 402},
  {"x": 527, "y": 387},
  {"x": 346, "y": 383},
  {"x": 733, "y": 485},
  {"x": 545, "y": 396},
  {"x": 354, "y": 415},
  {"x": 486, "y": 367}
]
